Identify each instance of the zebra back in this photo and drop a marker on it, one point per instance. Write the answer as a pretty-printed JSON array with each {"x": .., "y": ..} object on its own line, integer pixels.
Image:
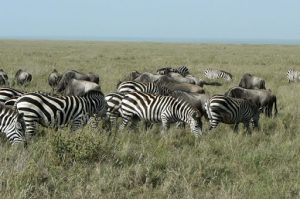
[
  {"x": 152, "y": 88},
  {"x": 9, "y": 93}
]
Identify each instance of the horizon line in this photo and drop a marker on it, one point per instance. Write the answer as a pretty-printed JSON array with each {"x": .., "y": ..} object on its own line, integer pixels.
[{"x": 159, "y": 40}]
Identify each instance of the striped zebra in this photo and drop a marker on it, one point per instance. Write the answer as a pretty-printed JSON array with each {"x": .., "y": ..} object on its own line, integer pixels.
[
  {"x": 217, "y": 74},
  {"x": 152, "y": 88},
  {"x": 9, "y": 93},
  {"x": 230, "y": 110},
  {"x": 157, "y": 108},
  {"x": 12, "y": 124},
  {"x": 293, "y": 75},
  {"x": 182, "y": 70},
  {"x": 51, "y": 111}
]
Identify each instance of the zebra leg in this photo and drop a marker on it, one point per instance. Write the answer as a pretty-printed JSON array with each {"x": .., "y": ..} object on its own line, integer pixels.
[
  {"x": 180, "y": 125},
  {"x": 213, "y": 124},
  {"x": 247, "y": 126},
  {"x": 124, "y": 123},
  {"x": 236, "y": 127}
]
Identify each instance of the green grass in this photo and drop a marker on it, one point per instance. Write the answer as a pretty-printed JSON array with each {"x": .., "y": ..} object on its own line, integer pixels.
[{"x": 220, "y": 164}]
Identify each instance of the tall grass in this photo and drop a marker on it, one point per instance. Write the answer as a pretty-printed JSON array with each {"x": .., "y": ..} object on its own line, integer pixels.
[{"x": 94, "y": 164}]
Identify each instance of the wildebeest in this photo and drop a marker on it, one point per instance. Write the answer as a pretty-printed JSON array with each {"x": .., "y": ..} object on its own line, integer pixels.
[
  {"x": 263, "y": 98},
  {"x": 53, "y": 78},
  {"x": 22, "y": 77},
  {"x": 69, "y": 75},
  {"x": 80, "y": 87},
  {"x": 172, "y": 85},
  {"x": 3, "y": 78},
  {"x": 252, "y": 82}
]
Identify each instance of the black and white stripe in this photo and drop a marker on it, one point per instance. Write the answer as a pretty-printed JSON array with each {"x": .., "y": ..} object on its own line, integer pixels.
[
  {"x": 113, "y": 106},
  {"x": 9, "y": 93},
  {"x": 182, "y": 70},
  {"x": 230, "y": 110},
  {"x": 50, "y": 111},
  {"x": 152, "y": 88},
  {"x": 12, "y": 124},
  {"x": 217, "y": 74},
  {"x": 293, "y": 75},
  {"x": 156, "y": 108}
]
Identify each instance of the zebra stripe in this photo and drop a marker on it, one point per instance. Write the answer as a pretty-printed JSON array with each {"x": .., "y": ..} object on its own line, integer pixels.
[
  {"x": 132, "y": 86},
  {"x": 230, "y": 110},
  {"x": 50, "y": 111},
  {"x": 217, "y": 74},
  {"x": 12, "y": 124},
  {"x": 113, "y": 106},
  {"x": 293, "y": 75},
  {"x": 182, "y": 70},
  {"x": 156, "y": 108},
  {"x": 9, "y": 93}
]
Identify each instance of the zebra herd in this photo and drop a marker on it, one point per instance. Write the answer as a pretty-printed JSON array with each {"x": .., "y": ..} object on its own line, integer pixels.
[{"x": 147, "y": 99}]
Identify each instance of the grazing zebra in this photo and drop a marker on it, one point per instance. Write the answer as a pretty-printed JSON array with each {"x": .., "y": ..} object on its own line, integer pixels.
[
  {"x": 9, "y": 93},
  {"x": 182, "y": 70},
  {"x": 217, "y": 74},
  {"x": 50, "y": 111},
  {"x": 293, "y": 75},
  {"x": 131, "y": 86},
  {"x": 230, "y": 110},
  {"x": 157, "y": 108},
  {"x": 12, "y": 124}
]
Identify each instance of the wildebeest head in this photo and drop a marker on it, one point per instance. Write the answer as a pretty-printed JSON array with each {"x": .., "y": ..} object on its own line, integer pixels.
[
  {"x": 3, "y": 78},
  {"x": 53, "y": 78}
]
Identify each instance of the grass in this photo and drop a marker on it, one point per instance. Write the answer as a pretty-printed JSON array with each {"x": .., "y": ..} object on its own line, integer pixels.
[{"x": 92, "y": 164}]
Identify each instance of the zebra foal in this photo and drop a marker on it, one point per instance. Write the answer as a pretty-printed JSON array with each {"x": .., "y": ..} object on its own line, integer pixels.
[
  {"x": 156, "y": 108},
  {"x": 230, "y": 110},
  {"x": 50, "y": 111}
]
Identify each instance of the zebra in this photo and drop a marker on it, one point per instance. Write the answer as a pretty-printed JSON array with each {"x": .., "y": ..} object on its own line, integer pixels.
[
  {"x": 230, "y": 110},
  {"x": 12, "y": 124},
  {"x": 9, "y": 93},
  {"x": 182, "y": 70},
  {"x": 293, "y": 75},
  {"x": 153, "y": 88},
  {"x": 217, "y": 74},
  {"x": 52, "y": 111},
  {"x": 157, "y": 108}
]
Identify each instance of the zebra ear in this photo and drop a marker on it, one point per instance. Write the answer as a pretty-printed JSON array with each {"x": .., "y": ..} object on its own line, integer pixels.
[{"x": 195, "y": 115}]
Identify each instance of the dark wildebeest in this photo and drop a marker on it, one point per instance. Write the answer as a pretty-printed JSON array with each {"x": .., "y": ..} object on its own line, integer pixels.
[
  {"x": 69, "y": 75},
  {"x": 23, "y": 77},
  {"x": 252, "y": 82},
  {"x": 80, "y": 87},
  {"x": 264, "y": 98},
  {"x": 53, "y": 78},
  {"x": 3, "y": 78}
]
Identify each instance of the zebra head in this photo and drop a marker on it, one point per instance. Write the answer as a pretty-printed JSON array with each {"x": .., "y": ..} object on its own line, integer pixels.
[
  {"x": 195, "y": 123},
  {"x": 19, "y": 128}
]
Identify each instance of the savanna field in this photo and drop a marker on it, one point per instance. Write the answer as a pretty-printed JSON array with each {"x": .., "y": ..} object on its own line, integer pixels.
[{"x": 90, "y": 163}]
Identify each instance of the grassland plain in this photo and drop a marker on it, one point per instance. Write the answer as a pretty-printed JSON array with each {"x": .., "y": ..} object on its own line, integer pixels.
[{"x": 220, "y": 164}]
